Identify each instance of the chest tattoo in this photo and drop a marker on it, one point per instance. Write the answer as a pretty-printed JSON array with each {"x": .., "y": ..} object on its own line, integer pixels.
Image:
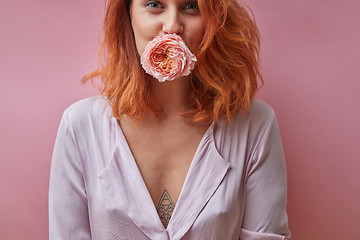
[{"x": 165, "y": 208}]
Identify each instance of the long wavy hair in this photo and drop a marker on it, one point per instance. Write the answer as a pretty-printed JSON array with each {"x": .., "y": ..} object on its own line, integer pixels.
[{"x": 224, "y": 80}]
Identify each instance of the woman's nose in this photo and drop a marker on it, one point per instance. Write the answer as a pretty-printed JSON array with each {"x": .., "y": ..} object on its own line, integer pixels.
[{"x": 172, "y": 23}]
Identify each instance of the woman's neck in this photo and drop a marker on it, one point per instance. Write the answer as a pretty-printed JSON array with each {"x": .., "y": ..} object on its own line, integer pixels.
[{"x": 174, "y": 96}]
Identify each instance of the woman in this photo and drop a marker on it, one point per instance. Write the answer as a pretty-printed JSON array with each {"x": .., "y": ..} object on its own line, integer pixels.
[{"x": 193, "y": 158}]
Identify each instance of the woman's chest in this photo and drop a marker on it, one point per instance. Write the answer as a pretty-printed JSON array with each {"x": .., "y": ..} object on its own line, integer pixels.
[
  {"x": 163, "y": 157},
  {"x": 210, "y": 199},
  {"x": 125, "y": 211},
  {"x": 163, "y": 163}
]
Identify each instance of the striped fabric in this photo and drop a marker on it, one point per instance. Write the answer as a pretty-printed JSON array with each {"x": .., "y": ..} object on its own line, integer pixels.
[{"x": 235, "y": 188}]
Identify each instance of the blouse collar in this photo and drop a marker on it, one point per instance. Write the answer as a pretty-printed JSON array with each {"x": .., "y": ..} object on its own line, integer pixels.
[{"x": 123, "y": 180}]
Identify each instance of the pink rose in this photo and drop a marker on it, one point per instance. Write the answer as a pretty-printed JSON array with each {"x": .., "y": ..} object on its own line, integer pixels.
[{"x": 167, "y": 57}]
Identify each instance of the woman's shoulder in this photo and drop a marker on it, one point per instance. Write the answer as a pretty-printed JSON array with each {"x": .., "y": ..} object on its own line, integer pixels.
[
  {"x": 259, "y": 113},
  {"x": 249, "y": 126},
  {"x": 89, "y": 110},
  {"x": 260, "y": 108},
  {"x": 255, "y": 121}
]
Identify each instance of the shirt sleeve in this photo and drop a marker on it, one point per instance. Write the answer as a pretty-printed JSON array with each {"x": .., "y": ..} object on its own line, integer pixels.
[
  {"x": 68, "y": 211},
  {"x": 265, "y": 214}
]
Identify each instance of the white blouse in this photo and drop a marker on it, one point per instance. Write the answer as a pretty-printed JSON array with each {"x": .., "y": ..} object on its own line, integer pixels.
[{"x": 235, "y": 188}]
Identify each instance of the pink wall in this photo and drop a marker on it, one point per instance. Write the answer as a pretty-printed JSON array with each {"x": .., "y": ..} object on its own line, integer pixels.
[
  {"x": 310, "y": 58},
  {"x": 45, "y": 48}
]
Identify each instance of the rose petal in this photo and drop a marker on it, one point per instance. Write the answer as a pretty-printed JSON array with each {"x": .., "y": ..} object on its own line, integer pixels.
[{"x": 167, "y": 58}]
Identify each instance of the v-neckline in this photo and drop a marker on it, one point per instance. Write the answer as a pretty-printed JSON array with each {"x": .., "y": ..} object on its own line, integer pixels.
[
  {"x": 133, "y": 162},
  {"x": 132, "y": 189}
]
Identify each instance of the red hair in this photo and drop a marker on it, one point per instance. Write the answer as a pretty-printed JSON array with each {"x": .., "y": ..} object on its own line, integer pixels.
[{"x": 224, "y": 80}]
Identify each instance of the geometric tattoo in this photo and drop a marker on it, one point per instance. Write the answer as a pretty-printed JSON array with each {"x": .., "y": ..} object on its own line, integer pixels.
[{"x": 165, "y": 208}]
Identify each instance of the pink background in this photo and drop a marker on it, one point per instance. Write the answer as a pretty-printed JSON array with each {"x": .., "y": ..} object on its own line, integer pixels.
[{"x": 310, "y": 59}]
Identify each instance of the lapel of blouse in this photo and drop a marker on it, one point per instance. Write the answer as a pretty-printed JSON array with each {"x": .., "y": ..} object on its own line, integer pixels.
[
  {"x": 123, "y": 180},
  {"x": 206, "y": 173}
]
